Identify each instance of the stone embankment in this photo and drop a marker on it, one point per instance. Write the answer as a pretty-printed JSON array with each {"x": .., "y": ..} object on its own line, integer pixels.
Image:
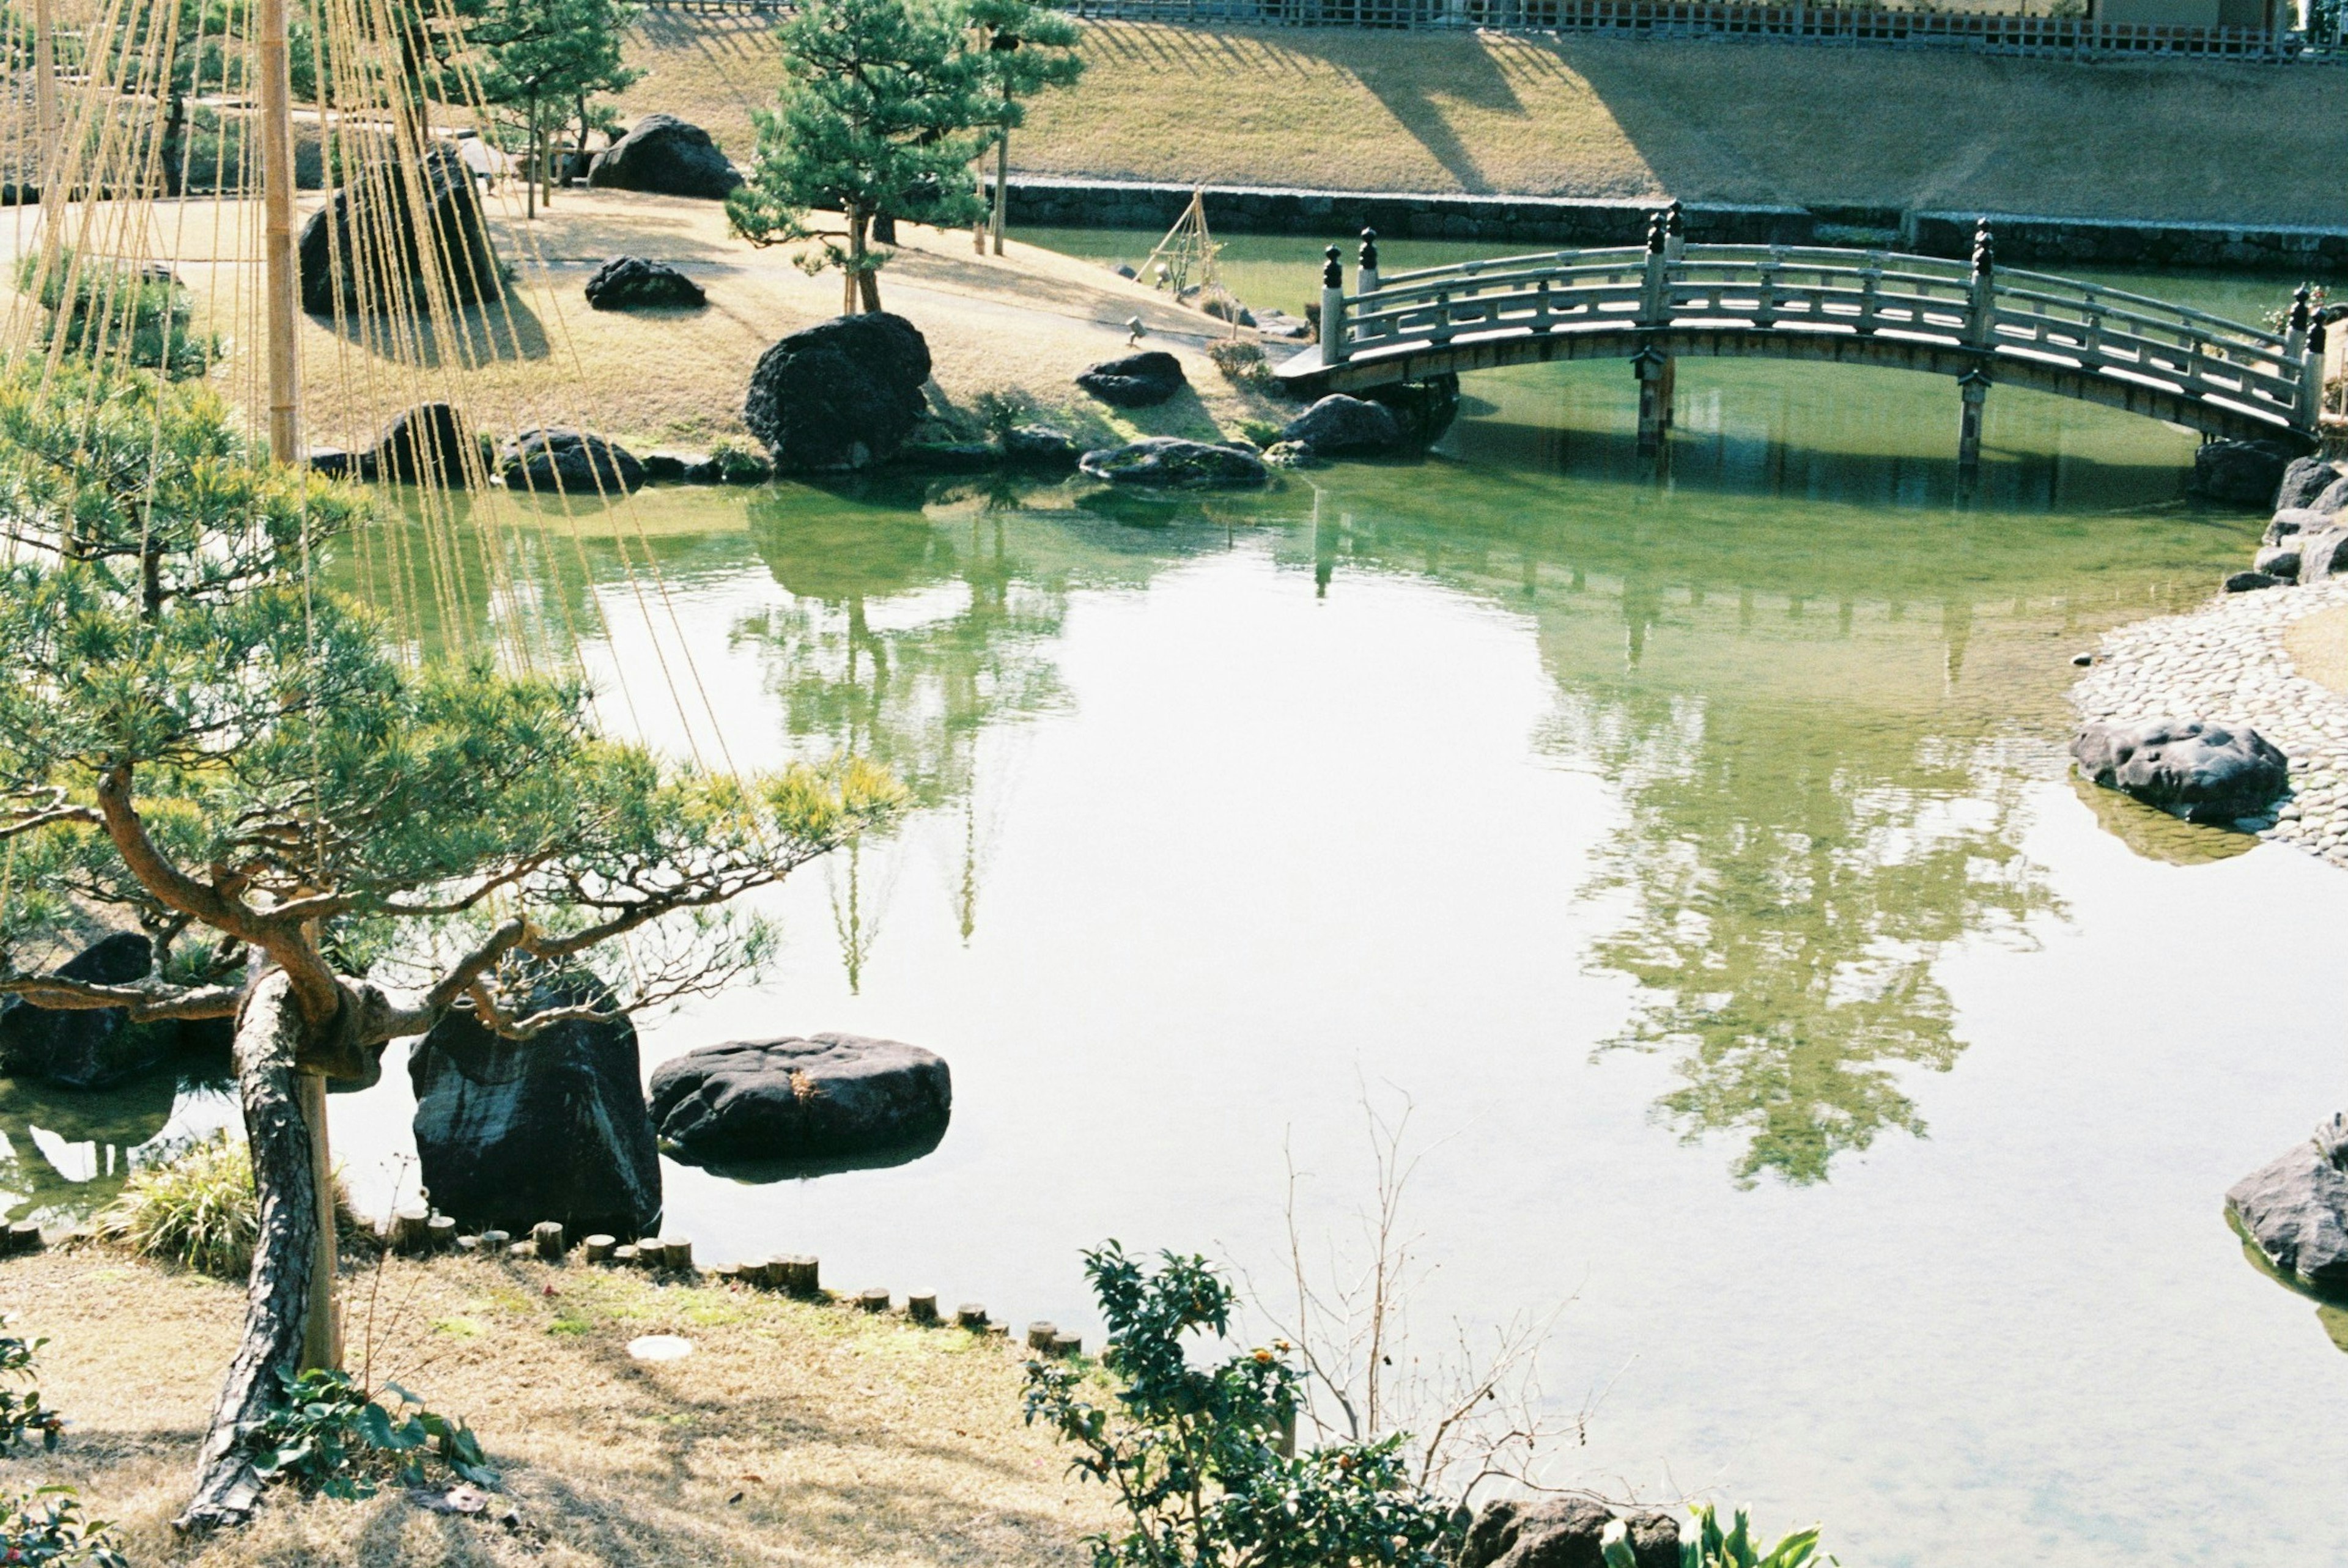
[{"x": 2228, "y": 662}]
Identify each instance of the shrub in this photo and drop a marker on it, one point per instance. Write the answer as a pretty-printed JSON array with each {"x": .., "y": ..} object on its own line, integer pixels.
[
  {"x": 22, "y": 1412},
  {"x": 1711, "y": 1547},
  {"x": 739, "y": 465},
  {"x": 1263, "y": 432},
  {"x": 1203, "y": 1460},
  {"x": 328, "y": 1435},
  {"x": 47, "y": 1526},
  {"x": 196, "y": 1209},
  {"x": 1000, "y": 410},
  {"x": 120, "y": 313}
]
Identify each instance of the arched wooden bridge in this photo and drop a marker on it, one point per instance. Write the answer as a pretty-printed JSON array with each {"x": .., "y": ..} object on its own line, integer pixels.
[{"x": 1975, "y": 321}]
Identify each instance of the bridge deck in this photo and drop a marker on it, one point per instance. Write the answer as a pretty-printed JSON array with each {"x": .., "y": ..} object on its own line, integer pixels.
[{"x": 1917, "y": 312}]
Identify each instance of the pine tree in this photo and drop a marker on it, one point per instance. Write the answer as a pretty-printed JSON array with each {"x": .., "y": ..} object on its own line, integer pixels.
[
  {"x": 1019, "y": 49},
  {"x": 199, "y": 739},
  {"x": 542, "y": 56}
]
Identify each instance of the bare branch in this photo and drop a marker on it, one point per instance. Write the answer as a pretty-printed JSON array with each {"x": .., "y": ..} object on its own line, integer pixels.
[{"x": 147, "y": 1002}]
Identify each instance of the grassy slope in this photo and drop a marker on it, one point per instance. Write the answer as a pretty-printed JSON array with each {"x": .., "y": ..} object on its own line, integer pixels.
[
  {"x": 1703, "y": 121},
  {"x": 793, "y": 1434}
]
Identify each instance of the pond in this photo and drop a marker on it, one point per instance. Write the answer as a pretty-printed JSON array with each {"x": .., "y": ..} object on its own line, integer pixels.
[{"x": 1695, "y": 859}]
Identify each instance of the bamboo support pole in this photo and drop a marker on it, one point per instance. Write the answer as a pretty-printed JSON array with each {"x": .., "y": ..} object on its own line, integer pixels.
[
  {"x": 322, "y": 1329},
  {"x": 45, "y": 77},
  {"x": 280, "y": 283}
]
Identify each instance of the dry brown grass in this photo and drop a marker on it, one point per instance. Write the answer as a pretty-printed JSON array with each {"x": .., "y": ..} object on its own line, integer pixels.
[
  {"x": 2318, "y": 645},
  {"x": 794, "y": 1434},
  {"x": 1028, "y": 321},
  {"x": 1712, "y": 121}
]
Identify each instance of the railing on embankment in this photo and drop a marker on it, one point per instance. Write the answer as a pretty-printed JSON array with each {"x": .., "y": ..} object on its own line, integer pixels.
[
  {"x": 1902, "y": 309},
  {"x": 2000, "y": 33}
]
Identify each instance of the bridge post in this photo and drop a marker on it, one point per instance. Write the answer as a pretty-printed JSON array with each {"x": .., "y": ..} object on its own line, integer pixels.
[
  {"x": 1973, "y": 388},
  {"x": 1366, "y": 273},
  {"x": 1674, "y": 231},
  {"x": 2294, "y": 337},
  {"x": 1332, "y": 308},
  {"x": 1983, "y": 315},
  {"x": 1655, "y": 293}
]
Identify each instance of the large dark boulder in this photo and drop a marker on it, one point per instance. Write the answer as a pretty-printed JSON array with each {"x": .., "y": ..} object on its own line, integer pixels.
[
  {"x": 2303, "y": 479},
  {"x": 2239, "y": 473},
  {"x": 1173, "y": 464},
  {"x": 369, "y": 241},
  {"x": 1563, "y": 1532},
  {"x": 664, "y": 154},
  {"x": 1425, "y": 409},
  {"x": 632, "y": 283},
  {"x": 1136, "y": 381},
  {"x": 1343, "y": 427},
  {"x": 2296, "y": 1208},
  {"x": 570, "y": 462},
  {"x": 428, "y": 445},
  {"x": 2199, "y": 771},
  {"x": 87, "y": 1049},
  {"x": 510, "y": 1133},
  {"x": 829, "y": 1097},
  {"x": 843, "y": 394}
]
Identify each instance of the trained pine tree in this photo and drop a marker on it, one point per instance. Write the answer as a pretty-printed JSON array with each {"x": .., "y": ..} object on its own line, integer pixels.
[{"x": 199, "y": 739}]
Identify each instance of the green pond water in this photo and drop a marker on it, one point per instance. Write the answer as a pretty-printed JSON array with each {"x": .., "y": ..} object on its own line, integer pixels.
[{"x": 1695, "y": 858}]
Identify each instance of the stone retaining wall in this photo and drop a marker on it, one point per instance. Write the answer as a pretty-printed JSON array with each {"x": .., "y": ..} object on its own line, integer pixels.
[{"x": 1333, "y": 215}]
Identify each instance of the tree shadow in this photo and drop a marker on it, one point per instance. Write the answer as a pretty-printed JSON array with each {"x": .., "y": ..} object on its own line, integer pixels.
[{"x": 502, "y": 330}]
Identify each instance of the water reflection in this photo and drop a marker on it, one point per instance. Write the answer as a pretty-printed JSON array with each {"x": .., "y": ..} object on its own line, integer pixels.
[{"x": 65, "y": 1153}]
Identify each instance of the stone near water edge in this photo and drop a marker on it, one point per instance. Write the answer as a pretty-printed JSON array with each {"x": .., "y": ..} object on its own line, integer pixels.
[
  {"x": 1281, "y": 324},
  {"x": 1136, "y": 381},
  {"x": 1343, "y": 427},
  {"x": 801, "y": 1099},
  {"x": 841, "y": 395},
  {"x": 671, "y": 467},
  {"x": 2303, "y": 479},
  {"x": 569, "y": 462},
  {"x": 1563, "y": 1532},
  {"x": 1425, "y": 409},
  {"x": 430, "y": 444},
  {"x": 668, "y": 156},
  {"x": 2201, "y": 770},
  {"x": 2321, "y": 554},
  {"x": 2295, "y": 1209},
  {"x": 369, "y": 245},
  {"x": 511, "y": 1132},
  {"x": 949, "y": 456},
  {"x": 2252, "y": 581},
  {"x": 1040, "y": 446},
  {"x": 2239, "y": 473},
  {"x": 89, "y": 1047},
  {"x": 2278, "y": 560},
  {"x": 1292, "y": 454},
  {"x": 2293, "y": 521},
  {"x": 1169, "y": 463},
  {"x": 634, "y": 284}
]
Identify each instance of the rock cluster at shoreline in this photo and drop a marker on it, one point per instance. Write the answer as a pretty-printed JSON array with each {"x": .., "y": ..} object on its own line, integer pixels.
[{"x": 2228, "y": 661}]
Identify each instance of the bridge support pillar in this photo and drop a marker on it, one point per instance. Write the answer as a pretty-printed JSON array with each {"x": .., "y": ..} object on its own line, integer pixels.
[
  {"x": 1973, "y": 388},
  {"x": 1658, "y": 373}
]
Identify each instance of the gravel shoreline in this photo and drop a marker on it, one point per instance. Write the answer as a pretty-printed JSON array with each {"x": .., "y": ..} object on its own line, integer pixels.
[{"x": 2227, "y": 661}]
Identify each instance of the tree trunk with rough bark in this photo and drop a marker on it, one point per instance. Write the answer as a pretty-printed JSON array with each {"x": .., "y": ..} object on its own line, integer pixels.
[{"x": 285, "y": 1255}]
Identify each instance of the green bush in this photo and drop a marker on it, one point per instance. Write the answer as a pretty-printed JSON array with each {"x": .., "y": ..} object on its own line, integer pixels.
[
  {"x": 120, "y": 312},
  {"x": 196, "y": 1209},
  {"x": 1712, "y": 1547},
  {"x": 1202, "y": 1461},
  {"x": 47, "y": 1526},
  {"x": 328, "y": 1435},
  {"x": 22, "y": 1413}
]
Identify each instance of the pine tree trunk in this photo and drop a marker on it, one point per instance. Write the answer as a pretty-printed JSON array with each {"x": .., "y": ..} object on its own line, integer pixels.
[
  {"x": 1001, "y": 185},
  {"x": 285, "y": 1255},
  {"x": 867, "y": 282},
  {"x": 847, "y": 296},
  {"x": 530, "y": 165}
]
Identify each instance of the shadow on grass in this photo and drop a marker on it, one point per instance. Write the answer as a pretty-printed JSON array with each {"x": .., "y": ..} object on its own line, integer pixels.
[{"x": 505, "y": 330}]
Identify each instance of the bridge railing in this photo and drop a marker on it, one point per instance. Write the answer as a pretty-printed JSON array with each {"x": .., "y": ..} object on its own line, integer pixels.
[{"x": 1803, "y": 289}]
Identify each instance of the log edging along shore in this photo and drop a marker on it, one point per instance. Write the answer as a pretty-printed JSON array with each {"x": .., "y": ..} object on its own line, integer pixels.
[
  {"x": 2228, "y": 662},
  {"x": 1053, "y": 201}
]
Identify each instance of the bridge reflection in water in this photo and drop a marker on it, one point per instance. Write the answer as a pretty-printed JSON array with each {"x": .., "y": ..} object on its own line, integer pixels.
[{"x": 1974, "y": 321}]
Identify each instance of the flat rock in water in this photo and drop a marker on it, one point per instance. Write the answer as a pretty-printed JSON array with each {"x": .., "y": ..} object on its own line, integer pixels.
[
  {"x": 87, "y": 1047},
  {"x": 1343, "y": 427},
  {"x": 2295, "y": 1209},
  {"x": 510, "y": 1133},
  {"x": 633, "y": 284},
  {"x": 664, "y": 154},
  {"x": 841, "y": 395},
  {"x": 2201, "y": 771},
  {"x": 826, "y": 1096},
  {"x": 1136, "y": 381},
  {"x": 570, "y": 462},
  {"x": 2239, "y": 473},
  {"x": 1171, "y": 463}
]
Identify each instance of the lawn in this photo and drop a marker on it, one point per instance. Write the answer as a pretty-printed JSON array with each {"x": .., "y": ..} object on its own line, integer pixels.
[{"x": 1708, "y": 120}]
